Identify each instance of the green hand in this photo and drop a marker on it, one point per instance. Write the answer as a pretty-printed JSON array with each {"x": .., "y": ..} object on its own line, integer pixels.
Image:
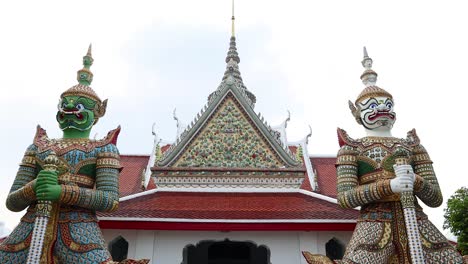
[
  {"x": 47, "y": 187},
  {"x": 45, "y": 177},
  {"x": 49, "y": 192}
]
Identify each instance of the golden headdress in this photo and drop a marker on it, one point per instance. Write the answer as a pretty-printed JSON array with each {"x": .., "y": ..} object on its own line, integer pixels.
[{"x": 85, "y": 77}]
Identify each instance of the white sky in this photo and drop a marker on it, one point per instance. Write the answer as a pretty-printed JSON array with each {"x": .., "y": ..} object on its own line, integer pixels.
[{"x": 302, "y": 56}]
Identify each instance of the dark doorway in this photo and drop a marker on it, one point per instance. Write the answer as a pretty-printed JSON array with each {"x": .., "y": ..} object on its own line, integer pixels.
[
  {"x": 225, "y": 252},
  {"x": 118, "y": 248},
  {"x": 334, "y": 249}
]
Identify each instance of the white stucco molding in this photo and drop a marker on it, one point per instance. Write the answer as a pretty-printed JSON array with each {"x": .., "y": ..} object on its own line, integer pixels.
[
  {"x": 133, "y": 196},
  {"x": 327, "y": 155},
  {"x": 318, "y": 196}
]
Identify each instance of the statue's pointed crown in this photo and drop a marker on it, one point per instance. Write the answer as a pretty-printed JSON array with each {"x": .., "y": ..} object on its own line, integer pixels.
[
  {"x": 372, "y": 91},
  {"x": 84, "y": 77},
  {"x": 369, "y": 79}
]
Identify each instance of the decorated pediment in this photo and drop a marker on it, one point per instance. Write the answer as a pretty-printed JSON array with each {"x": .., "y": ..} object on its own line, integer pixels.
[{"x": 229, "y": 139}]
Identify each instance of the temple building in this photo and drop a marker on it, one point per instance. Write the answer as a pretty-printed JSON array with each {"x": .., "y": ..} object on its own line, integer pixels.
[{"x": 230, "y": 189}]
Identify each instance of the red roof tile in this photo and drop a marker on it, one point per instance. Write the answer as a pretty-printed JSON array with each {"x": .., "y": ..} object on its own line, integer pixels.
[
  {"x": 293, "y": 149},
  {"x": 306, "y": 183},
  {"x": 326, "y": 175},
  {"x": 130, "y": 176},
  {"x": 165, "y": 148},
  {"x": 204, "y": 205}
]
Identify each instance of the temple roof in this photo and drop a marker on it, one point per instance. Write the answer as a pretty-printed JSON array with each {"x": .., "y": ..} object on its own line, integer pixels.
[
  {"x": 156, "y": 205},
  {"x": 229, "y": 166},
  {"x": 176, "y": 206},
  {"x": 134, "y": 165}
]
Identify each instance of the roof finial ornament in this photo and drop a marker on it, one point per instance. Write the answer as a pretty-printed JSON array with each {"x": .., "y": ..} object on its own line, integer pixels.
[
  {"x": 308, "y": 135},
  {"x": 233, "y": 19},
  {"x": 369, "y": 76},
  {"x": 232, "y": 76},
  {"x": 85, "y": 76}
]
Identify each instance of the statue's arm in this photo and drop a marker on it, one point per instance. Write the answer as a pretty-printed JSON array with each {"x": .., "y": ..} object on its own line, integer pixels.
[
  {"x": 105, "y": 197},
  {"x": 350, "y": 193},
  {"x": 426, "y": 186},
  {"x": 22, "y": 193}
]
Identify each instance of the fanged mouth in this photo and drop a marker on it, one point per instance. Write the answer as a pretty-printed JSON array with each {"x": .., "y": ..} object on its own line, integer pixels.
[
  {"x": 381, "y": 114},
  {"x": 72, "y": 111}
]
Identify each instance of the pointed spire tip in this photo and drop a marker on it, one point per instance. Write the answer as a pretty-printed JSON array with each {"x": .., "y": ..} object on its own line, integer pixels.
[
  {"x": 366, "y": 60},
  {"x": 89, "y": 50},
  {"x": 369, "y": 76},
  {"x": 233, "y": 19},
  {"x": 85, "y": 76}
]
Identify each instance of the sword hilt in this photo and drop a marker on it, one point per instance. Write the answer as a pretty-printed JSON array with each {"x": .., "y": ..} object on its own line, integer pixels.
[
  {"x": 43, "y": 208},
  {"x": 43, "y": 212},
  {"x": 402, "y": 158},
  {"x": 51, "y": 162}
]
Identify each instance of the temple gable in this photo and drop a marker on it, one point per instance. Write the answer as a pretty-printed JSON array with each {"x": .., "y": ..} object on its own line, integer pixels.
[{"x": 229, "y": 139}]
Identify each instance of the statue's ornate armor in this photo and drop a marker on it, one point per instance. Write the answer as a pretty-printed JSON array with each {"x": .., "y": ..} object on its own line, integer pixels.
[
  {"x": 364, "y": 169},
  {"x": 88, "y": 173}
]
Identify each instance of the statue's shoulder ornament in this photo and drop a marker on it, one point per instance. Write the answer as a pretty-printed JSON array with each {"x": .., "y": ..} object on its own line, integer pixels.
[
  {"x": 110, "y": 138},
  {"x": 412, "y": 138},
  {"x": 418, "y": 151},
  {"x": 61, "y": 146},
  {"x": 347, "y": 155},
  {"x": 41, "y": 140},
  {"x": 344, "y": 139}
]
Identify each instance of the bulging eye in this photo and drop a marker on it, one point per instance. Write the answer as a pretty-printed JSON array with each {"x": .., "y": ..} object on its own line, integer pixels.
[
  {"x": 64, "y": 104},
  {"x": 79, "y": 106},
  {"x": 389, "y": 105},
  {"x": 373, "y": 105}
]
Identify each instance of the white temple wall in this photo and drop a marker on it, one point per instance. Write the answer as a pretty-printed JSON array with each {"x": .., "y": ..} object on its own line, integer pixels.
[
  {"x": 145, "y": 244},
  {"x": 165, "y": 247}
]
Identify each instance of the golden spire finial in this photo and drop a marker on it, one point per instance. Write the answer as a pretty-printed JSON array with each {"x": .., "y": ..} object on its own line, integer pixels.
[{"x": 232, "y": 30}]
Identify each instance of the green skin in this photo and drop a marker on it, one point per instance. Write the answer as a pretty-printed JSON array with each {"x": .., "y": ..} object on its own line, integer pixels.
[{"x": 75, "y": 118}]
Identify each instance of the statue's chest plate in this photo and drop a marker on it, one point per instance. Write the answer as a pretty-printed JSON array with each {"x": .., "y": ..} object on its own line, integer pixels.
[
  {"x": 77, "y": 157},
  {"x": 76, "y": 165},
  {"x": 377, "y": 154}
]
